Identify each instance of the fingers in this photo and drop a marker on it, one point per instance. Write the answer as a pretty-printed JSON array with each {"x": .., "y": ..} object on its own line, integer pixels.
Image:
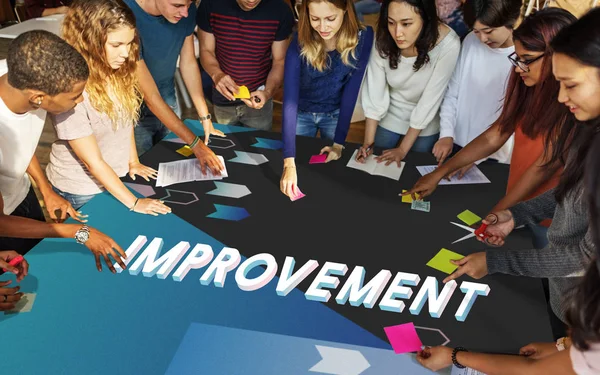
[
  {"x": 456, "y": 274},
  {"x": 217, "y": 132},
  {"x": 109, "y": 263},
  {"x": 98, "y": 263},
  {"x": 6, "y": 306},
  {"x": 460, "y": 262},
  {"x": 324, "y": 150},
  {"x": 24, "y": 270},
  {"x": 76, "y": 215},
  {"x": 442, "y": 158},
  {"x": 12, "y": 298},
  {"x": 5, "y": 283}
]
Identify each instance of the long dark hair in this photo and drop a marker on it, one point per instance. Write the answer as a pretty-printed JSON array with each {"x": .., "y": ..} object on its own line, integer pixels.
[
  {"x": 385, "y": 43},
  {"x": 580, "y": 41},
  {"x": 583, "y": 313},
  {"x": 497, "y": 13},
  {"x": 535, "y": 109}
]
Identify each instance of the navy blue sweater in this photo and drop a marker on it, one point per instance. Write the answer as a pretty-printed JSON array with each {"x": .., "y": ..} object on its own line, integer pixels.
[{"x": 308, "y": 90}]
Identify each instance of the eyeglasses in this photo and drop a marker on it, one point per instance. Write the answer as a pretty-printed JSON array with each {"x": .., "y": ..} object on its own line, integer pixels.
[{"x": 523, "y": 64}]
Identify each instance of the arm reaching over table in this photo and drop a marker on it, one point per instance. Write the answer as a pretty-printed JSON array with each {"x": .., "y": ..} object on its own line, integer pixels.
[{"x": 97, "y": 242}]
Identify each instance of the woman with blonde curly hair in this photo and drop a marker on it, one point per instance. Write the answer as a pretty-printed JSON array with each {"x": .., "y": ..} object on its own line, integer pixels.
[{"x": 95, "y": 143}]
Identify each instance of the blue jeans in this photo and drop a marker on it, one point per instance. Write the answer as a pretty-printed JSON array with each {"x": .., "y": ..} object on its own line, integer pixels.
[
  {"x": 76, "y": 200},
  {"x": 150, "y": 130},
  {"x": 242, "y": 115},
  {"x": 387, "y": 139},
  {"x": 325, "y": 123},
  {"x": 366, "y": 7}
]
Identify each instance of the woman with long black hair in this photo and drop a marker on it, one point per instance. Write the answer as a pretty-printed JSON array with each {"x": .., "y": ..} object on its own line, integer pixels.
[{"x": 574, "y": 235}]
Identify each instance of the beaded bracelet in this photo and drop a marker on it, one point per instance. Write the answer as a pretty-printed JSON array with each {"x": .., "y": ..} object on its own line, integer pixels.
[{"x": 454, "y": 361}]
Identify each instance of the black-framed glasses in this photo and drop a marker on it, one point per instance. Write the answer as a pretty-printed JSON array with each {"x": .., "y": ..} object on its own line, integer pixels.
[{"x": 523, "y": 64}]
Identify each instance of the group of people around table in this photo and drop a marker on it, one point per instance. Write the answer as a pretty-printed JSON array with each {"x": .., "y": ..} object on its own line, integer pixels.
[{"x": 527, "y": 96}]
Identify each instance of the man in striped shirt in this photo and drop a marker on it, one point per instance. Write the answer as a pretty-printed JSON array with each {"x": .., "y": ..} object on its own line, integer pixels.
[{"x": 244, "y": 42}]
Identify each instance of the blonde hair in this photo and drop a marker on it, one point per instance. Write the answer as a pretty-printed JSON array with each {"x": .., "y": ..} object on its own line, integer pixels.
[
  {"x": 86, "y": 27},
  {"x": 312, "y": 46}
]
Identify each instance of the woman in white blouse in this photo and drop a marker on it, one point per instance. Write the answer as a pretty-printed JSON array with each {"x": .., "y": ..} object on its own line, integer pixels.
[{"x": 406, "y": 78}]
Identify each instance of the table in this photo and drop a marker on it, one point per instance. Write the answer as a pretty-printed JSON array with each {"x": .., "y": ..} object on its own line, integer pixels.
[
  {"x": 49, "y": 23},
  {"x": 86, "y": 322}
]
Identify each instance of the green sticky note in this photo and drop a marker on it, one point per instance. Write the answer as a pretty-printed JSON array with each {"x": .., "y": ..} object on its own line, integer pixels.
[
  {"x": 468, "y": 217},
  {"x": 441, "y": 261}
]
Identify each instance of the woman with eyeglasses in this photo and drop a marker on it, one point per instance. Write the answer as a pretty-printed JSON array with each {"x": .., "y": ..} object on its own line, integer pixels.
[
  {"x": 530, "y": 111},
  {"x": 576, "y": 206}
]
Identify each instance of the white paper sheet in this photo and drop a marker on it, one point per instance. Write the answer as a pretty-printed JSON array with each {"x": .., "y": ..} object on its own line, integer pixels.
[
  {"x": 185, "y": 171},
  {"x": 371, "y": 166},
  {"x": 473, "y": 176},
  {"x": 465, "y": 371}
]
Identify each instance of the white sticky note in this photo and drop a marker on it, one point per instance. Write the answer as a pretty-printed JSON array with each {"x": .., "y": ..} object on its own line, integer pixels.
[{"x": 24, "y": 305}]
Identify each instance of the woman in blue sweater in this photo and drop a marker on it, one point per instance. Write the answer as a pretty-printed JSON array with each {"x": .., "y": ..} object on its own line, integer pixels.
[{"x": 324, "y": 68}]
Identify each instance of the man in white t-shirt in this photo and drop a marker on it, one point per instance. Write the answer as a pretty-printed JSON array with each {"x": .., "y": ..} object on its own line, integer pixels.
[
  {"x": 42, "y": 74},
  {"x": 475, "y": 94}
]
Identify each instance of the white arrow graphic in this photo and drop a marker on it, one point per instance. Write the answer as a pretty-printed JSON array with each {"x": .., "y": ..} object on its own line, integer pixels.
[{"x": 338, "y": 361}]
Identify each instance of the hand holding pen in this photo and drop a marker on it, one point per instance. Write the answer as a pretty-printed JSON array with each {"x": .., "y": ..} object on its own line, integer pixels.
[{"x": 364, "y": 152}]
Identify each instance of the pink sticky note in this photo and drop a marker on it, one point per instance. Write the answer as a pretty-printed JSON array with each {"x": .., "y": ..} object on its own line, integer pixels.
[
  {"x": 297, "y": 196},
  {"x": 404, "y": 338},
  {"x": 317, "y": 159}
]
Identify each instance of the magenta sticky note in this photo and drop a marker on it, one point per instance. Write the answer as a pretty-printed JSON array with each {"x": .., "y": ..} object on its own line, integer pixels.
[
  {"x": 317, "y": 159},
  {"x": 297, "y": 196},
  {"x": 404, "y": 338}
]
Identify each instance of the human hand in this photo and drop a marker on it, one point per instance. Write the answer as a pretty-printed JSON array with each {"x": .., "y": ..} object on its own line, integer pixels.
[
  {"x": 474, "y": 265},
  {"x": 443, "y": 148},
  {"x": 364, "y": 152},
  {"x": 435, "y": 358},
  {"x": 102, "y": 246},
  {"x": 333, "y": 152},
  {"x": 392, "y": 155},
  {"x": 499, "y": 225},
  {"x": 151, "y": 207},
  {"x": 226, "y": 85},
  {"x": 289, "y": 181},
  {"x": 55, "y": 202},
  {"x": 424, "y": 186},
  {"x": 207, "y": 158},
  {"x": 20, "y": 269},
  {"x": 9, "y": 296},
  {"x": 139, "y": 169},
  {"x": 460, "y": 173},
  {"x": 538, "y": 350},
  {"x": 257, "y": 99},
  {"x": 209, "y": 130}
]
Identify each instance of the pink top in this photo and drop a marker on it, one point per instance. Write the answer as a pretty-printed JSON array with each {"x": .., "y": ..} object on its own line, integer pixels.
[{"x": 588, "y": 362}]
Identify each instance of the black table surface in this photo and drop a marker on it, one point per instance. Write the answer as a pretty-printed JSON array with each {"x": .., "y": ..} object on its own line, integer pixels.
[{"x": 351, "y": 217}]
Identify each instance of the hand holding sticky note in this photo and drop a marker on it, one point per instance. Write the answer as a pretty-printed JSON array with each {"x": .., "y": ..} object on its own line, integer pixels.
[
  {"x": 408, "y": 198},
  {"x": 243, "y": 93},
  {"x": 404, "y": 338},
  {"x": 469, "y": 217},
  {"x": 441, "y": 261},
  {"x": 298, "y": 195}
]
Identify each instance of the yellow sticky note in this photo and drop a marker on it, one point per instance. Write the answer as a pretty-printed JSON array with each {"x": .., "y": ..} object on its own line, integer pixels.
[
  {"x": 408, "y": 198},
  {"x": 441, "y": 261},
  {"x": 468, "y": 217},
  {"x": 185, "y": 151},
  {"x": 243, "y": 93}
]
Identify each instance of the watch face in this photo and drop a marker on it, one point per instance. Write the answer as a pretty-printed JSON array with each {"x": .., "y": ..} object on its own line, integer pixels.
[{"x": 82, "y": 236}]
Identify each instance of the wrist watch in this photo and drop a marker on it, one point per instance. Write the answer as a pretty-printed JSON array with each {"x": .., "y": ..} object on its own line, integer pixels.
[
  {"x": 82, "y": 235},
  {"x": 203, "y": 118}
]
